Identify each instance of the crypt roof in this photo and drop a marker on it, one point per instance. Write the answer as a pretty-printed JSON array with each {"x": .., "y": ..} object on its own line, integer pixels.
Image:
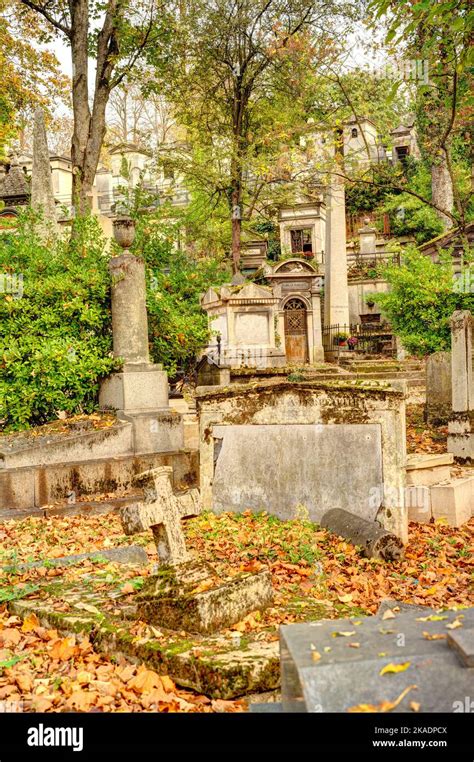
[
  {"x": 14, "y": 184},
  {"x": 229, "y": 293}
]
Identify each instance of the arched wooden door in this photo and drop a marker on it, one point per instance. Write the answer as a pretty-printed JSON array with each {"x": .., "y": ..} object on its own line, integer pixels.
[{"x": 296, "y": 335}]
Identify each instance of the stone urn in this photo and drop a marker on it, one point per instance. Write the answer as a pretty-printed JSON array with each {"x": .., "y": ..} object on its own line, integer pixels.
[{"x": 124, "y": 231}]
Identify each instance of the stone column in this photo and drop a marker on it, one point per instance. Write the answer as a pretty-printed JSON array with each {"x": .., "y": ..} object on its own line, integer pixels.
[
  {"x": 336, "y": 291},
  {"x": 438, "y": 388},
  {"x": 129, "y": 315},
  {"x": 42, "y": 196},
  {"x": 461, "y": 364},
  {"x": 318, "y": 350},
  {"x": 139, "y": 392},
  {"x": 461, "y": 423}
]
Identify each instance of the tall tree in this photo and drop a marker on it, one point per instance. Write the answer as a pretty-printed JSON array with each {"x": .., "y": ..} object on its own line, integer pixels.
[
  {"x": 30, "y": 75},
  {"x": 116, "y": 34},
  {"x": 234, "y": 72},
  {"x": 138, "y": 115},
  {"x": 438, "y": 35}
]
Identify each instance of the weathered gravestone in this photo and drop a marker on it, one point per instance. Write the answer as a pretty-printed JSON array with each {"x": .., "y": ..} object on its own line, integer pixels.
[
  {"x": 185, "y": 594},
  {"x": 139, "y": 392},
  {"x": 343, "y": 665},
  {"x": 461, "y": 423},
  {"x": 42, "y": 196},
  {"x": 438, "y": 388},
  {"x": 302, "y": 448}
]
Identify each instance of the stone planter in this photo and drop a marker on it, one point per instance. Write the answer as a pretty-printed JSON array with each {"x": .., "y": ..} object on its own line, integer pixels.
[{"x": 124, "y": 231}]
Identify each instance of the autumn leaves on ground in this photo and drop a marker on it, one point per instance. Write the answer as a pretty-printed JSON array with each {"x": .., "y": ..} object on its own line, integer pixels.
[{"x": 314, "y": 575}]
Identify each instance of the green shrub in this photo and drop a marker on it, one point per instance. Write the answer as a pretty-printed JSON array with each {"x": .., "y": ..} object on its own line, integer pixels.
[
  {"x": 55, "y": 328},
  {"x": 56, "y": 340},
  {"x": 421, "y": 300},
  {"x": 177, "y": 325}
]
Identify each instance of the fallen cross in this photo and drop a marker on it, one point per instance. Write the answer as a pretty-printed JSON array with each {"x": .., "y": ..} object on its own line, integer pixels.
[
  {"x": 162, "y": 512},
  {"x": 185, "y": 594}
]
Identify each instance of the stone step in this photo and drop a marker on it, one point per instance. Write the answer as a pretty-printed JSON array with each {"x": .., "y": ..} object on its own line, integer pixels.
[
  {"x": 452, "y": 499},
  {"x": 425, "y": 469},
  {"x": 420, "y": 460}
]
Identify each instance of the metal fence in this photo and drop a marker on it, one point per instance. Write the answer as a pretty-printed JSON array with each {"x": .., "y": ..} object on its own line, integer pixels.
[{"x": 365, "y": 338}]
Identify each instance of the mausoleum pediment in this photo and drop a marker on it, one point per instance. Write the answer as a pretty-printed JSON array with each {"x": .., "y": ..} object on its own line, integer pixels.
[
  {"x": 252, "y": 291},
  {"x": 210, "y": 296},
  {"x": 294, "y": 266}
]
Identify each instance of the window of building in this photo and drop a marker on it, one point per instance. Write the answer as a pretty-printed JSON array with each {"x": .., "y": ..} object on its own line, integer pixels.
[
  {"x": 402, "y": 152},
  {"x": 354, "y": 133},
  {"x": 301, "y": 240}
]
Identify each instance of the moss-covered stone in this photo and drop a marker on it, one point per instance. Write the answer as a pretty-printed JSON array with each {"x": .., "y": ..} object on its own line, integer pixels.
[{"x": 209, "y": 665}]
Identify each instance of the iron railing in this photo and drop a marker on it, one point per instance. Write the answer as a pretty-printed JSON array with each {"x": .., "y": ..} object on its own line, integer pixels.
[{"x": 366, "y": 338}]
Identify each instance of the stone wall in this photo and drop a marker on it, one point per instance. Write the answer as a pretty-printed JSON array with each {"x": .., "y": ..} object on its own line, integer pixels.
[{"x": 302, "y": 448}]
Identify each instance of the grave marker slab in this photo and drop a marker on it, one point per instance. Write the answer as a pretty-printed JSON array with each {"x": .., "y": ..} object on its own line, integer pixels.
[{"x": 323, "y": 671}]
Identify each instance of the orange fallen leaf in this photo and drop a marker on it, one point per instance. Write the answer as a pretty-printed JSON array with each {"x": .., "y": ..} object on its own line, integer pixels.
[
  {"x": 10, "y": 637},
  {"x": 30, "y": 622},
  {"x": 434, "y": 636},
  {"x": 64, "y": 649},
  {"x": 384, "y": 706},
  {"x": 82, "y": 700},
  {"x": 24, "y": 682},
  {"x": 144, "y": 681},
  {"x": 167, "y": 683}
]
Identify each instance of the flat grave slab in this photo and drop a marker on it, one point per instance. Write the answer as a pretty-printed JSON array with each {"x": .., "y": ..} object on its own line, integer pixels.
[
  {"x": 343, "y": 665},
  {"x": 215, "y": 665}
]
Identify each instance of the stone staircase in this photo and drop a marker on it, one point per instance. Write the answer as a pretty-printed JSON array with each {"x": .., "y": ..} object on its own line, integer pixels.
[
  {"x": 437, "y": 490},
  {"x": 411, "y": 371}
]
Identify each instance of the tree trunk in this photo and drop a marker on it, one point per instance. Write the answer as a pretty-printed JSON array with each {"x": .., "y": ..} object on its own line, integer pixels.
[
  {"x": 236, "y": 227},
  {"x": 80, "y": 100},
  {"x": 442, "y": 189},
  {"x": 89, "y": 128},
  {"x": 374, "y": 541}
]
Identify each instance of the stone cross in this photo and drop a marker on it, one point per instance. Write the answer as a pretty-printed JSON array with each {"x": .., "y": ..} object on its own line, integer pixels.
[{"x": 162, "y": 512}]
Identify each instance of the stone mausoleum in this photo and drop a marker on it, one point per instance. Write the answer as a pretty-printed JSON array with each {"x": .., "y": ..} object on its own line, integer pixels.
[{"x": 267, "y": 326}]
